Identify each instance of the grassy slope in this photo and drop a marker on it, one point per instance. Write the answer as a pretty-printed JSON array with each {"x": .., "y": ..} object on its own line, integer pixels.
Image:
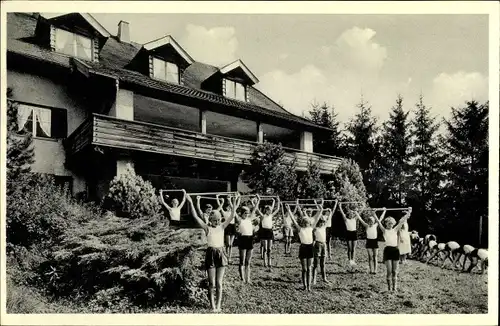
[{"x": 423, "y": 289}]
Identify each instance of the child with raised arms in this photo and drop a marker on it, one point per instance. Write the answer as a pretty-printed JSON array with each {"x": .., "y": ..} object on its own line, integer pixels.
[
  {"x": 215, "y": 256},
  {"x": 305, "y": 227},
  {"x": 174, "y": 211},
  {"x": 351, "y": 235},
  {"x": 371, "y": 239},
  {"x": 246, "y": 232},
  {"x": 391, "y": 251},
  {"x": 320, "y": 247},
  {"x": 288, "y": 229},
  {"x": 266, "y": 232},
  {"x": 230, "y": 230}
]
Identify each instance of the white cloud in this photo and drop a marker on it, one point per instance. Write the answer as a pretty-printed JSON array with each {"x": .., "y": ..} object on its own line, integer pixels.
[
  {"x": 283, "y": 56},
  {"x": 454, "y": 89},
  {"x": 221, "y": 43},
  {"x": 356, "y": 50}
]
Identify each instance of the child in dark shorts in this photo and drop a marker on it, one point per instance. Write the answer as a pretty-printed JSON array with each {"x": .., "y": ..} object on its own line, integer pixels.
[{"x": 371, "y": 240}]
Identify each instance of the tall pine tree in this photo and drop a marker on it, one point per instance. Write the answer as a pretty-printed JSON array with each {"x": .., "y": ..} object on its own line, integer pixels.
[
  {"x": 466, "y": 145},
  {"x": 426, "y": 168},
  {"x": 395, "y": 154},
  {"x": 330, "y": 143},
  {"x": 361, "y": 144}
]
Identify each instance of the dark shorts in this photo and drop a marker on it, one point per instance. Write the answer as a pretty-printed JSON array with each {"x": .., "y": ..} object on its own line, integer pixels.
[
  {"x": 175, "y": 223},
  {"x": 328, "y": 233},
  {"x": 473, "y": 254},
  {"x": 351, "y": 236},
  {"x": 245, "y": 242},
  {"x": 230, "y": 229},
  {"x": 215, "y": 258},
  {"x": 371, "y": 243},
  {"x": 306, "y": 251},
  {"x": 319, "y": 249},
  {"x": 266, "y": 234},
  {"x": 391, "y": 253}
]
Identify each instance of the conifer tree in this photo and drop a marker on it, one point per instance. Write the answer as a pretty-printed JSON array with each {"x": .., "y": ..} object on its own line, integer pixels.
[{"x": 330, "y": 143}]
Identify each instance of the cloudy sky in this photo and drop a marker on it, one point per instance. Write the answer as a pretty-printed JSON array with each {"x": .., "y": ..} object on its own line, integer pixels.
[{"x": 333, "y": 58}]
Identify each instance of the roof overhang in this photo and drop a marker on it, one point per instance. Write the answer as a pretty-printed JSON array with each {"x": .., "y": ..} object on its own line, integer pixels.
[
  {"x": 239, "y": 64},
  {"x": 169, "y": 40},
  {"x": 89, "y": 19}
]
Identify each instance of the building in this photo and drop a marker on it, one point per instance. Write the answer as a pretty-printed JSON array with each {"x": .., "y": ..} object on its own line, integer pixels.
[{"x": 96, "y": 102}]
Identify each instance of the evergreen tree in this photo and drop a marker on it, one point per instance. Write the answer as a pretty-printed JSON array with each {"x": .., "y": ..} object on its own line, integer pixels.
[
  {"x": 361, "y": 145},
  {"x": 311, "y": 185},
  {"x": 330, "y": 143},
  {"x": 270, "y": 171},
  {"x": 426, "y": 168},
  {"x": 395, "y": 154},
  {"x": 466, "y": 145},
  {"x": 20, "y": 152}
]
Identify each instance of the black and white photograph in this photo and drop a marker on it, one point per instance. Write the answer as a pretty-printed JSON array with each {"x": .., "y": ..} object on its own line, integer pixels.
[{"x": 176, "y": 160}]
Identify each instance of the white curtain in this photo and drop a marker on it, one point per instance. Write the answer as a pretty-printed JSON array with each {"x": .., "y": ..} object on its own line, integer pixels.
[
  {"x": 83, "y": 47},
  {"x": 159, "y": 69},
  {"x": 23, "y": 113},
  {"x": 44, "y": 118},
  {"x": 64, "y": 42}
]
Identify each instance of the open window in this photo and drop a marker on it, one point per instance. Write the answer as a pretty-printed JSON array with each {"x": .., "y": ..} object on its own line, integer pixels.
[{"x": 42, "y": 122}]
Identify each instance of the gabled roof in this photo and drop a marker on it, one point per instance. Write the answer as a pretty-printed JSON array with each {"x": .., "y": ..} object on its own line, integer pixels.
[
  {"x": 169, "y": 40},
  {"x": 89, "y": 19},
  {"x": 239, "y": 64}
]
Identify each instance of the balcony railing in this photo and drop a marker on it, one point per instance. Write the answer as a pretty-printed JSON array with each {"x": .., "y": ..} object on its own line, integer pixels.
[{"x": 108, "y": 131}]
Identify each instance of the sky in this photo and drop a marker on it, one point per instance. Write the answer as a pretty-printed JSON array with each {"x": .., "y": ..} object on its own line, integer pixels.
[{"x": 302, "y": 59}]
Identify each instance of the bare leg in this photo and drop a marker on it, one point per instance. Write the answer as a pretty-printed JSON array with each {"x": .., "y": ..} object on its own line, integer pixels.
[
  {"x": 375, "y": 260},
  {"x": 269, "y": 250},
  {"x": 473, "y": 264},
  {"x": 248, "y": 260},
  {"x": 243, "y": 254},
  {"x": 348, "y": 250},
  {"x": 323, "y": 270},
  {"x": 265, "y": 250},
  {"x": 309, "y": 273},
  {"x": 315, "y": 268},
  {"x": 303, "y": 262},
  {"x": 231, "y": 241},
  {"x": 448, "y": 255},
  {"x": 262, "y": 250},
  {"x": 388, "y": 266},
  {"x": 395, "y": 267},
  {"x": 219, "y": 281},
  {"x": 370, "y": 260},
  {"x": 211, "y": 287},
  {"x": 353, "y": 250}
]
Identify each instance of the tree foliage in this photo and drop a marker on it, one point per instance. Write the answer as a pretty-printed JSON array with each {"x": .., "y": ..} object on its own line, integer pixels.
[
  {"x": 330, "y": 143},
  {"x": 270, "y": 171},
  {"x": 311, "y": 185}
]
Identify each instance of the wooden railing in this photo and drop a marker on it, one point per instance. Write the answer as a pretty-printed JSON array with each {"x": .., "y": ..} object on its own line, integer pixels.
[{"x": 108, "y": 131}]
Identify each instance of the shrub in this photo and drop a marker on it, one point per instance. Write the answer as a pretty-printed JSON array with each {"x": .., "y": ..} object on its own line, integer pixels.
[
  {"x": 39, "y": 212},
  {"x": 311, "y": 186},
  {"x": 122, "y": 262},
  {"x": 132, "y": 197}
]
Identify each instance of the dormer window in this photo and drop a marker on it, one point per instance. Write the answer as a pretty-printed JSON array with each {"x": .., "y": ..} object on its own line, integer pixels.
[
  {"x": 235, "y": 90},
  {"x": 73, "y": 44},
  {"x": 166, "y": 71}
]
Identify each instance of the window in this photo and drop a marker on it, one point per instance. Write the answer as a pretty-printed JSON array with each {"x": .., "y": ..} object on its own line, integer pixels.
[
  {"x": 73, "y": 44},
  {"x": 166, "y": 71},
  {"x": 42, "y": 122},
  {"x": 235, "y": 90}
]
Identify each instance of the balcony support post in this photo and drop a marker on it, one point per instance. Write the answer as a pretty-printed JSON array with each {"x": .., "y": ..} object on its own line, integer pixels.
[
  {"x": 203, "y": 121},
  {"x": 123, "y": 107},
  {"x": 260, "y": 133}
]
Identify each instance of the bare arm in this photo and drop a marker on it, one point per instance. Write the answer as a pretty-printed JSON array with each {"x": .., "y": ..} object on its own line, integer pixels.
[
  {"x": 292, "y": 217},
  {"x": 220, "y": 201},
  {"x": 255, "y": 208},
  {"x": 200, "y": 222},
  {"x": 198, "y": 208},
  {"x": 379, "y": 220},
  {"x": 360, "y": 219},
  {"x": 164, "y": 202},
  {"x": 342, "y": 213},
  {"x": 403, "y": 219},
  {"x": 318, "y": 215},
  {"x": 278, "y": 204},
  {"x": 183, "y": 201},
  {"x": 234, "y": 205}
]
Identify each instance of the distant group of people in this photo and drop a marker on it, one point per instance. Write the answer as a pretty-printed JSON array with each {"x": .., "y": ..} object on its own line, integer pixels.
[{"x": 241, "y": 216}]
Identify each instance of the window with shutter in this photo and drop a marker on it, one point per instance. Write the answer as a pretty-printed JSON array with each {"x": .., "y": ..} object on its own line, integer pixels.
[
  {"x": 42, "y": 122},
  {"x": 73, "y": 44},
  {"x": 235, "y": 90}
]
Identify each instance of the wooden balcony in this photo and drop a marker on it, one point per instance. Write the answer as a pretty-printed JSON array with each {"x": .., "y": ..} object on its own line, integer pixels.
[{"x": 106, "y": 131}]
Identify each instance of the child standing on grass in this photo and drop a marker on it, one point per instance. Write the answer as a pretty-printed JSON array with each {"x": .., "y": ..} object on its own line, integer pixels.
[
  {"x": 306, "y": 251},
  {"x": 391, "y": 251},
  {"x": 371, "y": 240},
  {"x": 351, "y": 236},
  {"x": 215, "y": 257},
  {"x": 245, "y": 239},
  {"x": 329, "y": 215},
  {"x": 266, "y": 231},
  {"x": 404, "y": 243},
  {"x": 230, "y": 230},
  {"x": 320, "y": 247}
]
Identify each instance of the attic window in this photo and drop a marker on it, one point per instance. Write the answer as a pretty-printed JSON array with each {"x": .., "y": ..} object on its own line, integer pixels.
[
  {"x": 166, "y": 71},
  {"x": 235, "y": 90},
  {"x": 73, "y": 44}
]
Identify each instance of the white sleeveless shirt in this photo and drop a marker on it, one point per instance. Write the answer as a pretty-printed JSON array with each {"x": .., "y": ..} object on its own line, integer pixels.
[
  {"x": 227, "y": 215},
  {"x": 306, "y": 235},
  {"x": 350, "y": 224},
  {"x": 453, "y": 245},
  {"x": 267, "y": 222},
  {"x": 391, "y": 238},
  {"x": 432, "y": 244},
  {"x": 287, "y": 221},
  {"x": 441, "y": 246},
  {"x": 175, "y": 213},
  {"x": 468, "y": 249},
  {"x": 482, "y": 254},
  {"x": 246, "y": 227},
  {"x": 320, "y": 234},
  {"x": 215, "y": 237},
  {"x": 371, "y": 232},
  {"x": 329, "y": 221}
]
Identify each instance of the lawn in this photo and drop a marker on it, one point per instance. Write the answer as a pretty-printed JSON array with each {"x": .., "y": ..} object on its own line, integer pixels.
[{"x": 424, "y": 289}]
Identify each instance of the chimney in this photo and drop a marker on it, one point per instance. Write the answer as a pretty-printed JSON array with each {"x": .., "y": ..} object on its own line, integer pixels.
[{"x": 123, "y": 31}]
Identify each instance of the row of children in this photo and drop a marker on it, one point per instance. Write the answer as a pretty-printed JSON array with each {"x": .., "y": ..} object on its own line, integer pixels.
[
  {"x": 311, "y": 224},
  {"x": 427, "y": 249}
]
